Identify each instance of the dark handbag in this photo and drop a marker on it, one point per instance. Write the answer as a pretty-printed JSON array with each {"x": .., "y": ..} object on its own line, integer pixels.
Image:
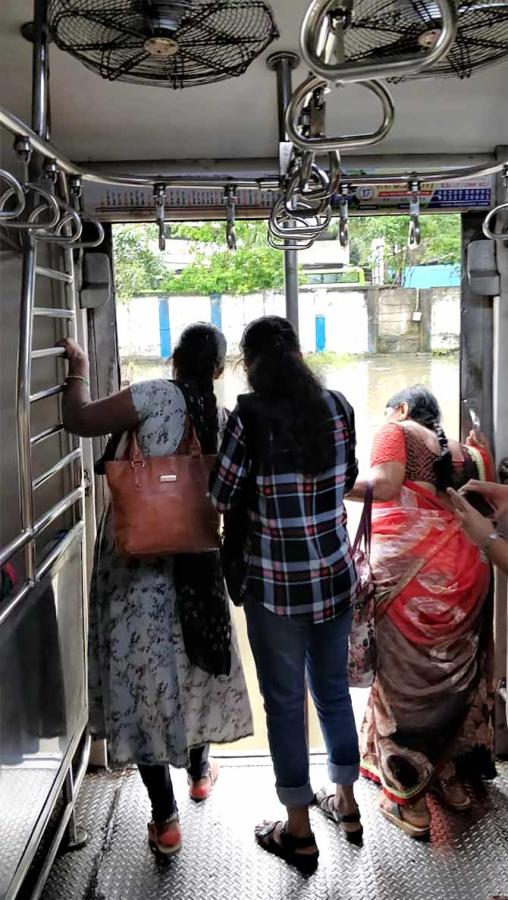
[
  {"x": 161, "y": 504},
  {"x": 232, "y": 552},
  {"x": 362, "y": 638}
]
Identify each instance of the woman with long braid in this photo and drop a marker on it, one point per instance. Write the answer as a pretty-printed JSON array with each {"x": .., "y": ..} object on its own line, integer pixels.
[
  {"x": 165, "y": 679},
  {"x": 428, "y": 723}
]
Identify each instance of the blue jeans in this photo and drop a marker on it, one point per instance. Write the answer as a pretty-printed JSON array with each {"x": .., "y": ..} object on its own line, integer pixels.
[{"x": 285, "y": 649}]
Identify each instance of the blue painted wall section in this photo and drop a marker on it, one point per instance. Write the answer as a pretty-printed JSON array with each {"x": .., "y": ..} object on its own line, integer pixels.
[
  {"x": 216, "y": 309},
  {"x": 432, "y": 276},
  {"x": 320, "y": 334},
  {"x": 165, "y": 328}
]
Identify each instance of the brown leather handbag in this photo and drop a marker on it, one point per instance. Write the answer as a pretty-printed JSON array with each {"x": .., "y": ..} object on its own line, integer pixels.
[{"x": 161, "y": 504}]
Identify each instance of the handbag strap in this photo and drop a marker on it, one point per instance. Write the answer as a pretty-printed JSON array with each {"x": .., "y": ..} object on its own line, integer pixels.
[
  {"x": 189, "y": 444},
  {"x": 364, "y": 532}
]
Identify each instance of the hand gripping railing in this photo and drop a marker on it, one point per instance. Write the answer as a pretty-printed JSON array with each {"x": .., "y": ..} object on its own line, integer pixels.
[
  {"x": 323, "y": 144},
  {"x": 325, "y": 20}
]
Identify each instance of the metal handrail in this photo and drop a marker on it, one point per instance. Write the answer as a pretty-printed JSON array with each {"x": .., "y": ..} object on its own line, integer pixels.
[
  {"x": 14, "y": 546},
  {"x": 70, "y": 217},
  {"x": 50, "y": 204},
  {"x": 93, "y": 242},
  {"x": 47, "y": 392},
  {"x": 12, "y": 602},
  {"x": 15, "y": 189},
  {"x": 364, "y": 70},
  {"x": 55, "y": 274},
  {"x": 341, "y": 142},
  {"x": 50, "y": 312},
  {"x": 288, "y": 245},
  {"x": 47, "y": 433},
  {"x": 462, "y": 174},
  {"x": 492, "y": 235},
  {"x": 48, "y": 351},
  {"x": 57, "y": 467},
  {"x": 16, "y": 126},
  {"x": 48, "y": 150}
]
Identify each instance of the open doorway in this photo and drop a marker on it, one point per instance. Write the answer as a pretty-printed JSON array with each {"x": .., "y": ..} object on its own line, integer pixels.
[{"x": 374, "y": 318}]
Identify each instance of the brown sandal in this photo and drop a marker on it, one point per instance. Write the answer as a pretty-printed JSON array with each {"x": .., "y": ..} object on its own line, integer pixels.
[{"x": 394, "y": 815}]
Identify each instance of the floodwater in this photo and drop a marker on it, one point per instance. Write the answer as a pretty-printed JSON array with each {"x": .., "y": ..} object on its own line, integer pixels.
[{"x": 368, "y": 383}]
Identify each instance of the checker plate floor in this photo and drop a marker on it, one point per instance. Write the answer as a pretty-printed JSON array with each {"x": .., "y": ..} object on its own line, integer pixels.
[{"x": 467, "y": 856}]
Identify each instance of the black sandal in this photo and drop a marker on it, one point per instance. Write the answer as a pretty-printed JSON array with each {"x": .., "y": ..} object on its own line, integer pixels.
[
  {"x": 322, "y": 800},
  {"x": 288, "y": 847}
]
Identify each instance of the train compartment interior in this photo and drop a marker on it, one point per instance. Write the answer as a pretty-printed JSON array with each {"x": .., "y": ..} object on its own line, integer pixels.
[{"x": 303, "y": 115}]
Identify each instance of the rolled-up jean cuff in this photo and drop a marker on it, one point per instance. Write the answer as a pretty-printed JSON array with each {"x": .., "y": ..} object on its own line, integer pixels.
[
  {"x": 298, "y": 796},
  {"x": 343, "y": 774}
]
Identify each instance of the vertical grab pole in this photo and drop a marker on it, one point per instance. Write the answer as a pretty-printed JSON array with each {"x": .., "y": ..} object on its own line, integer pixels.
[
  {"x": 39, "y": 125},
  {"x": 501, "y": 446},
  {"x": 283, "y": 64},
  {"x": 23, "y": 400}
]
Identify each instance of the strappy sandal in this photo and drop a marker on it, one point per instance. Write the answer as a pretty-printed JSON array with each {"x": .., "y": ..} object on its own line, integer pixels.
[
  {"x": 288, "y": 847},
  {"x": 199, "y": 792},
  {"x": 326, "y": 803},
  {"x": 394, "y": 815}
]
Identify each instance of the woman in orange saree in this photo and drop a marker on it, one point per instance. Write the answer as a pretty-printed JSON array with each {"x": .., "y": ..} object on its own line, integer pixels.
[{"x": 428, "y": 723}]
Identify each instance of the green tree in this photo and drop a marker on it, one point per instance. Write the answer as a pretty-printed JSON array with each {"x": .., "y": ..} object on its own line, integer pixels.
[
  {"x": 254, "y": 266},
  {"x": 138, "y": 267},
  {"x": 440, "y": 242}
]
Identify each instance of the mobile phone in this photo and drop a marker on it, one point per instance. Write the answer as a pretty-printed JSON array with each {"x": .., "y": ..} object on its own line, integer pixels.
[
  {"x": 471, "y": 410},
  {"x": 479, "y": 503}
]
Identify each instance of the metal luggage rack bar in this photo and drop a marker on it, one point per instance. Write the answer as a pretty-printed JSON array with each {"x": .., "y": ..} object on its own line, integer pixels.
[{"x": 17, "y": 127}]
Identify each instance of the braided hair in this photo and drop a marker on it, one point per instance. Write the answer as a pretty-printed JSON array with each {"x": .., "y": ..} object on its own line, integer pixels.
[
  {"x": 424, "y": 409},
  {"x": 200, "y": 351},
  {"x": 292, "y": 397}
]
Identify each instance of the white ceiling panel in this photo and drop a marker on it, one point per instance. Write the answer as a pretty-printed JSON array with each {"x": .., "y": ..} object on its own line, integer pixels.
[{"x": 97, "y": 120}]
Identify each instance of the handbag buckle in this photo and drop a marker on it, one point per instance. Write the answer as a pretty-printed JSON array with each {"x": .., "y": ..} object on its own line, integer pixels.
[{"x": 138, "y": 462}]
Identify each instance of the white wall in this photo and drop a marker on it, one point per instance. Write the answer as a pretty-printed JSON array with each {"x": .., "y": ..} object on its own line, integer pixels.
[
  {"x": 445, "y": 320},
  {"x": 345, "y": 312}
]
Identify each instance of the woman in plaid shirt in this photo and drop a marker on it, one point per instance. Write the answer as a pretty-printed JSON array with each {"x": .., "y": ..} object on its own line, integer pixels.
[{"x": 288, "y": 457}]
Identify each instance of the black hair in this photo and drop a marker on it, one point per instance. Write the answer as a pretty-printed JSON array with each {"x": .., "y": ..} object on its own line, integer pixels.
[
  {"x": 301, "y": 421},
  {"x": 424, "y": 408},
  {"x": 197, "y": 355}
]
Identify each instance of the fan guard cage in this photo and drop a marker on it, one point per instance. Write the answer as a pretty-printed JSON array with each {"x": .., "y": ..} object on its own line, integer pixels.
[
  {"x": 170, "y": 43},
  {"x": 385, "y": 28}
]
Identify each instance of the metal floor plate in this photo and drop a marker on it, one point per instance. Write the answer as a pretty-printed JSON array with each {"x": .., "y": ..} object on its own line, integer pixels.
[{"x": 467, "y": 858}]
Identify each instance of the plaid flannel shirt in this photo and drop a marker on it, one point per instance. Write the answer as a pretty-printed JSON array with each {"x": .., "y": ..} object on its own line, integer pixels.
[{"x": 298, "y": 556}]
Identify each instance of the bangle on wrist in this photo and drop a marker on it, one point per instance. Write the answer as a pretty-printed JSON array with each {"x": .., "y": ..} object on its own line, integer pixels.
[
  {"x": 78, "y": 378},
  {"x": 493, "y": 536}
]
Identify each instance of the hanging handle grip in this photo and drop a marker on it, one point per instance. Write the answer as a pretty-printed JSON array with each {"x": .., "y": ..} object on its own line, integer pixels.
[
  {"x": 15, "y": 189},
  {"x": 311, "y": 41},
  {"x": 503, "y": 207},
  {"x": 341, "y": 142}
]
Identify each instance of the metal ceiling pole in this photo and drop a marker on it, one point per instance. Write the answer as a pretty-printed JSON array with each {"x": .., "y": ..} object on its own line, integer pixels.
[
  {"x": 283, "y": 64},
  {"x": 40, "y": 70}
]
